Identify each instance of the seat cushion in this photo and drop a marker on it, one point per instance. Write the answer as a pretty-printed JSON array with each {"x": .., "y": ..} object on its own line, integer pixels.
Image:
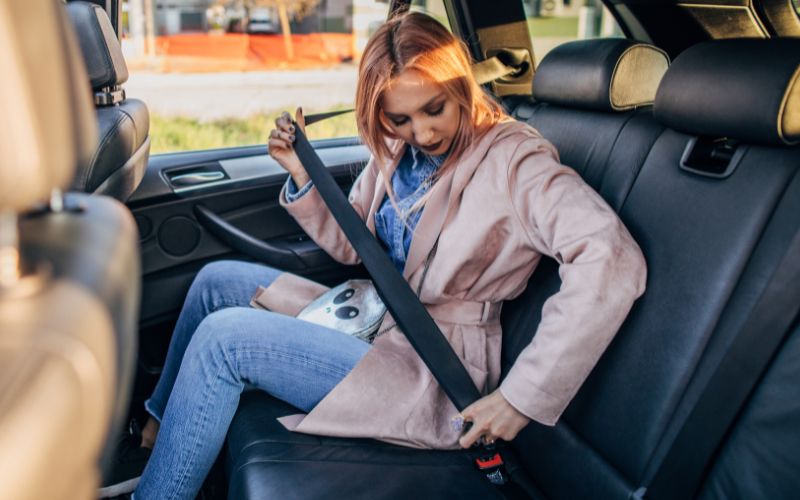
[{"x": 264, "y": 460}]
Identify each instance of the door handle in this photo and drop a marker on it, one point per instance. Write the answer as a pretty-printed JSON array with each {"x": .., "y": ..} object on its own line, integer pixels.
[
  {"x": 246, "y": 244},
  {"x": 196, "y": 178}
]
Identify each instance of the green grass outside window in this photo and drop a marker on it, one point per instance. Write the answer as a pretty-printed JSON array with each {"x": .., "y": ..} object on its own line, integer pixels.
[{"x": 173, "y": 134}]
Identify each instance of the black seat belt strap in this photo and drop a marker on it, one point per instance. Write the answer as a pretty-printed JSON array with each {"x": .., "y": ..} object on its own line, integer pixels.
[
  {"x": 682, "y": 471},
  {"x": 404, "y": 305}
]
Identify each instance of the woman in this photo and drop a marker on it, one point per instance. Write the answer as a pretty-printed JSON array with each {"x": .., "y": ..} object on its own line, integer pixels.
[{"x": 465, "y": 201}]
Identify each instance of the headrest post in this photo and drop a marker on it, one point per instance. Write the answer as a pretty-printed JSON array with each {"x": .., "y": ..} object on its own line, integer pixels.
[
  {"x": 109, "y": 96},
  {"x": 9, "y": 249}
]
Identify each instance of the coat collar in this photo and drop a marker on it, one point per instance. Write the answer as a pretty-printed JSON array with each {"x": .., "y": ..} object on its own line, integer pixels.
[
  {"x": 444, "y": 193},
  {"x": 380, "y": 186}
]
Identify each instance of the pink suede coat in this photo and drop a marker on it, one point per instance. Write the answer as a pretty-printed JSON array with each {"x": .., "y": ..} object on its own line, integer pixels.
[{"x": 508, "y": 202}]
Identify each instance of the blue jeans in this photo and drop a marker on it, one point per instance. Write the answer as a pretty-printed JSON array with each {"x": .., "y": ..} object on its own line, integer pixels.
[{"x": 220, "y": 344}]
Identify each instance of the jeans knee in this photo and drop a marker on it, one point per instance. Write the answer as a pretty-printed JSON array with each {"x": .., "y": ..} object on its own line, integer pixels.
[
  {"x": 221, "y": 324},
  {"x": 216, "y": 277},
  {"x": 216, "y": 332}
]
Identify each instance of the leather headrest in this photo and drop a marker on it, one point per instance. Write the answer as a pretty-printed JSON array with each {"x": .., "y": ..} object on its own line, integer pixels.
[
  {"x": 607, "y": 74},
  {"x": 745, "y": 89},
  {"x": 102, "y": 52},
  {"x": 47, "y": 124}
]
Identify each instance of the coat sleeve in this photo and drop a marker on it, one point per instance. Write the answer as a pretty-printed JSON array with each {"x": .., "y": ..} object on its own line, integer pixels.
[
  {"x": 316, "y": 219},
  {"x": 602, "y": 273}
]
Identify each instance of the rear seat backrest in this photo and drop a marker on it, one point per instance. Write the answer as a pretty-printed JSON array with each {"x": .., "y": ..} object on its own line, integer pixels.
[
  {"x": 699, "y": 235},
  {"x": 605, "y": 142},
  {"x": 756, "y": 100},
  {"x": 587, "y": 93}
]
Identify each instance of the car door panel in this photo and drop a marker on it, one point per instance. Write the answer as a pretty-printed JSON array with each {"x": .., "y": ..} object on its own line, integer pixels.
[{"x": 239, "y": 188}]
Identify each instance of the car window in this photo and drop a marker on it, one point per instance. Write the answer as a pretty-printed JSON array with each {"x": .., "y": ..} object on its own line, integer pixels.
[
  {"x": 796, "y": 6},
  {"x": 553, "y": 22},
  {"x": 434, "y": 8},
  {"x": 216, "y": 74}
]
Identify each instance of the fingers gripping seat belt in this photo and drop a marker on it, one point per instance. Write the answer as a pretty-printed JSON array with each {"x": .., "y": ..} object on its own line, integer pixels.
[{"x": 411, "y": 316}]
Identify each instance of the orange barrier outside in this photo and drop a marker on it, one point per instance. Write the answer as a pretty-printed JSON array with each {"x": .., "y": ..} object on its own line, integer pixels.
[{"x": 242, "y": 52}]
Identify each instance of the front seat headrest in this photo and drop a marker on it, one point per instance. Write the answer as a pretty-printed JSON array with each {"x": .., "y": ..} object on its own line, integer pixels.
[
  {"x": 745, "y": 89},
  {"x": 605, "y": 74},
  {"x": 47, "y": 124},
  {"x": 101, "y": 49}
]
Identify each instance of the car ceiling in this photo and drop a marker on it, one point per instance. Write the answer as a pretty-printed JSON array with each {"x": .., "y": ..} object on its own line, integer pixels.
[
  {"x": 672, "y": 25},
  {"x": 676, "y": 24}
]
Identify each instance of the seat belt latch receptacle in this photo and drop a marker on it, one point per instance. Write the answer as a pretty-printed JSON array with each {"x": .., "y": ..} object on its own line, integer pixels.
[{"x": 493, "y": 467}]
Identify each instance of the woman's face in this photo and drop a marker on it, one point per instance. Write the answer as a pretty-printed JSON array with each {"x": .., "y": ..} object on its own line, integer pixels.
[{"x": 420, "y": 112}]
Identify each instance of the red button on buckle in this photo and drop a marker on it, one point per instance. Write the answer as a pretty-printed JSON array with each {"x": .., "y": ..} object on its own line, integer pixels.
[{"x": 488, "y": 463}]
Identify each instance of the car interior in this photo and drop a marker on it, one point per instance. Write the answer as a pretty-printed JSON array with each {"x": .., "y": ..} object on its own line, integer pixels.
[{"x": 687, "y": 125}]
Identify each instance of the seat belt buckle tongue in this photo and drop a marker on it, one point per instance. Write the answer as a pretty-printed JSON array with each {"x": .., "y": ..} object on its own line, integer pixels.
[{"x": 493, "y": 467}]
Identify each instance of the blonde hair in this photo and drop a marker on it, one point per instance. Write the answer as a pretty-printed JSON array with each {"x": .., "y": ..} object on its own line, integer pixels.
[{"x": 417, "y": 41}]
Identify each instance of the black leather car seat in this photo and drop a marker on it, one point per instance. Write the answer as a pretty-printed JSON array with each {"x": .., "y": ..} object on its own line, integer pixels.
[
  {"x": 119, "y": 163},
  {"x": 711, "y": 238},
  {"x": 58, "y": 348},
  {"x": 748, "y": 92}
]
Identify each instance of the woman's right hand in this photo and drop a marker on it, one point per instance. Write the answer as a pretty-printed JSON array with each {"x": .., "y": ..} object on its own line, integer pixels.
[{"x": 281, "y": 149}]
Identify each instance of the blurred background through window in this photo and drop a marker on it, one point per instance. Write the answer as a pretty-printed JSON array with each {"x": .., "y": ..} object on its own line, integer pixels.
[{"x": 216, "y": 73}]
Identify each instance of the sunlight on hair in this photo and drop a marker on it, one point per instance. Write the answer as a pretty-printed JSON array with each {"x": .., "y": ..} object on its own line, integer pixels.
[
  {"x": 417, "y": 41},
  {"x": 444, "y": 64}
]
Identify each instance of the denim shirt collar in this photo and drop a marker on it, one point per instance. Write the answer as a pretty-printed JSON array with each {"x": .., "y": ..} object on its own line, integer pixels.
[
  {"x": 419, "y": 157},
  {"x": 410, "y": 181}
]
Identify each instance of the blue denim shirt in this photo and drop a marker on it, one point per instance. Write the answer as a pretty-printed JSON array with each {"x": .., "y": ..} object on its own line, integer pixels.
[{"x": 410, "y": 181}]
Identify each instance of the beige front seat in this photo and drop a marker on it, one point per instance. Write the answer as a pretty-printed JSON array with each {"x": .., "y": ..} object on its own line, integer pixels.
[{"x": 57, "y": 342}]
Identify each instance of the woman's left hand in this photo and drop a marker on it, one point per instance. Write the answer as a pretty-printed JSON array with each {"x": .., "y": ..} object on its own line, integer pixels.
[{"x": 493, "y": 418}]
